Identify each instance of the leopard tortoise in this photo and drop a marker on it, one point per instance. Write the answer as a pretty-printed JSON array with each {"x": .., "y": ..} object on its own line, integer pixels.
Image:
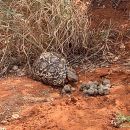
[{"x": 51, "y": 68}]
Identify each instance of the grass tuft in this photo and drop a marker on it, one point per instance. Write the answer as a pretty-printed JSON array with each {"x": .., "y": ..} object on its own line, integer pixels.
[{"x": 120, "y": 119}]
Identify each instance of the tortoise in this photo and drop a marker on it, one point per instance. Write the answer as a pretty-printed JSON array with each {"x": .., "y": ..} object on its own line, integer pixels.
[{"x": 52, "y": 69}]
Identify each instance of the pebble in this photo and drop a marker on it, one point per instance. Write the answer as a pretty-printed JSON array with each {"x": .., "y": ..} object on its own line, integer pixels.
[
  {"x": 73, "y": 89},
  {"x": 90, "y": 91},
  {"x": 108, "y": 85},
  {"x": 100, "y": 91},
  {"x": 67, "y": 89},
  {"x": 15, "y": 116},
  {"x": 82, "y": 86},
  {"x": 106, "y": 81},
  {"x": 85, "y": 91},
  {"x": 96, "y": 91}
]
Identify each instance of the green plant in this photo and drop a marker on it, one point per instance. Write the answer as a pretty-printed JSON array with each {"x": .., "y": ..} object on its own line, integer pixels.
[{"x": 120, "y": 119}]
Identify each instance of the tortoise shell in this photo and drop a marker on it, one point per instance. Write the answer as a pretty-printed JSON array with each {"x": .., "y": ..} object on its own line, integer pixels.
[{"x": 50, "y": 68}]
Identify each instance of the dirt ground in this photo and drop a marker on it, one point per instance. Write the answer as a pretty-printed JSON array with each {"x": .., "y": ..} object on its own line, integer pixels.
[
  {"x": 30, "y": 105},
  {"x": 26, "y": 104}
]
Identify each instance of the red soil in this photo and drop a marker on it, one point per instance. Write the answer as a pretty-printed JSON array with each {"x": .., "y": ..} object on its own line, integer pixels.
[{"x": 26, "y": 105}]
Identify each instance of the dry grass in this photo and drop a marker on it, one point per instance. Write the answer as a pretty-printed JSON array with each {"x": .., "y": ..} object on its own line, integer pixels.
[{"x": 29, "y": 27}]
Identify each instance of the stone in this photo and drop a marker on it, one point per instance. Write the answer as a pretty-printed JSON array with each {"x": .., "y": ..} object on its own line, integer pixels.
[
  {"x": 106, "y": 81},
  {"x": 67, "y": 89}
]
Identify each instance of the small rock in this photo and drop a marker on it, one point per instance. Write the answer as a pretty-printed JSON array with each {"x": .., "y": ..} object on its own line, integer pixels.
[
  {"x": 106, "y": 89},
  {"x": 4, "y": 122},
  {"x": 82, "y": 86},
  {"x": 108, "y": 85},
  {"x": 85, "y": 91},
  {"x": 96, "y": 82},
  {"x": 67, "y": 89},
  {"x": 73, "y": 89},
  {"x": 81, "y": 81},
  {"x": 106, "y": 81},
  {"x": 90, "y": 91},
  {"x": 103, "y": 89},
  {"x": 96, "y": 91},
  {"x": 90, "y": 88},
  {"x": 15, "y": 116},
  {"x": 93, "y": 86},
  {"x": 100, "y": 89}
]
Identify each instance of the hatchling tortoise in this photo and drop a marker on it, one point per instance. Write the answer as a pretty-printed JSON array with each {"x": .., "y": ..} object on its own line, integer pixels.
[{"x": 51, "y": 68}]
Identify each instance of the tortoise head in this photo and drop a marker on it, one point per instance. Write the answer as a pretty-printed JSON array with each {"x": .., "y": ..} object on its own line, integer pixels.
[{"x": 71, "y": 75}]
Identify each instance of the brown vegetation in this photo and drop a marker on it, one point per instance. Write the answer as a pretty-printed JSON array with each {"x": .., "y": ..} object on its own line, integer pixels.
[{"x": 29, "y": 27}]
